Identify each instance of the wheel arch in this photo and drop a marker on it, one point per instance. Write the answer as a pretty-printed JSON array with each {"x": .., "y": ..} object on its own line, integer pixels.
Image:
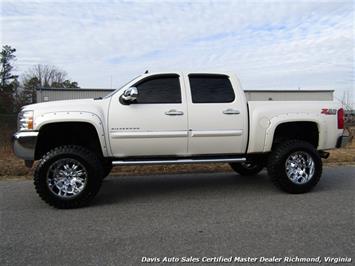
[
  {"x": 55, "y": 129},
  {"x": 309, "y": 129}
]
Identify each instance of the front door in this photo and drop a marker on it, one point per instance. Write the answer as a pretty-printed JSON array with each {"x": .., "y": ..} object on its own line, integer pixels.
[{"x": 155, "y": 124}]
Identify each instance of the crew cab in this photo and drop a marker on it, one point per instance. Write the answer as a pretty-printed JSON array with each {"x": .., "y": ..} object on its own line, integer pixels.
[{"x": 170, "y": 118}]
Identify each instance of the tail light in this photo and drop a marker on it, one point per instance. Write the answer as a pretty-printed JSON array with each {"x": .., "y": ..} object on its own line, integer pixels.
[{"x": 341, "y": 118}]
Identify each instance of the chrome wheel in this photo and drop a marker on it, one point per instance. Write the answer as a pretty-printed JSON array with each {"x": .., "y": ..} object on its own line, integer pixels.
[
  {"x": 300, "y": 167},
  {"x": 67, "y": 178}
]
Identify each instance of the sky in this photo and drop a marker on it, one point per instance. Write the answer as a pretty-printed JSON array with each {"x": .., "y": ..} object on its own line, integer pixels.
[{"x": 268, "y": 44}]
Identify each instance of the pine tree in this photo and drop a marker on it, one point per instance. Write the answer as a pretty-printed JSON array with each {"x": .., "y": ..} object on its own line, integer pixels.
[
  {"x": 8, "y": 81},
  {"x": 30, "y": 86}
]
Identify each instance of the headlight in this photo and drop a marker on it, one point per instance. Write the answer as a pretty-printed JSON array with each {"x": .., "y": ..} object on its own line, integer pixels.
[{"x": 25, "y": 120}]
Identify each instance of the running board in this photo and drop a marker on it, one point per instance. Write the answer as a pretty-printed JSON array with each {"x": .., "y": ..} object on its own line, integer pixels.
[{"x": 178, "y": 161}]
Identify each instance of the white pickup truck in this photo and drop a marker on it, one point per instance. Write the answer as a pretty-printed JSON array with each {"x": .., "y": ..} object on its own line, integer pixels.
[{"x": 169, "y": 118}]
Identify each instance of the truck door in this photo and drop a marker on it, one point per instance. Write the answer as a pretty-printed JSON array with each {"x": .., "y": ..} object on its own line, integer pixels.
[
  {"x": 155, "y": 124},
  {"x": 216, "y": 118}
]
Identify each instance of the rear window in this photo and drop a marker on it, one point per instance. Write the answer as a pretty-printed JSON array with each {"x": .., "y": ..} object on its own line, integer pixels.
[{"x": 207, "y": 88}]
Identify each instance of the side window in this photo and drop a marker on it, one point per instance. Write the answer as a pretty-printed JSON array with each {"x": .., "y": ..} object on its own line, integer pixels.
[
  {"x": 159, "y": 89},
  {"x": 207, "y": 88}
]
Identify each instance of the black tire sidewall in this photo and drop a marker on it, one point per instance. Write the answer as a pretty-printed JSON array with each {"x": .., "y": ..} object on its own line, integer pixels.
[{"x": 107, "y": 168}]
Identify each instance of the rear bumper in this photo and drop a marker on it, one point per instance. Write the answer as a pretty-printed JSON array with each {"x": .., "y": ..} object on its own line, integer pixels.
[
  {"x": 24, "y": 144},
  {"x": 342, "y": 141}
]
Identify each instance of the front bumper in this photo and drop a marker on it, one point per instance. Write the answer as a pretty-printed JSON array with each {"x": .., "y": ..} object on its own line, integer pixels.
[
  {"x": 342, "y": 141},
  {"x": 24, "y": 144}
]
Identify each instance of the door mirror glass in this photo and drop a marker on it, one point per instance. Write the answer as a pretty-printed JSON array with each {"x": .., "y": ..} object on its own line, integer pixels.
[{"x": 129, "y": 95}]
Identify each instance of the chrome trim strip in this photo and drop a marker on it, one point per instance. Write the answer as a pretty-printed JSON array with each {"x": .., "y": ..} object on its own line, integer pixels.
[
  {"x": 178, "y": 161},
  {"x": 148, "y": 134},
  {"x": 19, "y": 135},
  {"x": 215, "y": 133}
]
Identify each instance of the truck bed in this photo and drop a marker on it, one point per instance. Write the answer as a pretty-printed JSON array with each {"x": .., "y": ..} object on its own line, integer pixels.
[{"x": 289, "y": 95}]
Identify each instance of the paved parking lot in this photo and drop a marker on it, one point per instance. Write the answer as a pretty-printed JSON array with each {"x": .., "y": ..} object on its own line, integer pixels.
[{"x": 220, "y": 214}]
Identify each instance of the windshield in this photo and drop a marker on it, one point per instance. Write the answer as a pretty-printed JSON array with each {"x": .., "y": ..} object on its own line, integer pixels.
[{"x": 112, "y": 93}]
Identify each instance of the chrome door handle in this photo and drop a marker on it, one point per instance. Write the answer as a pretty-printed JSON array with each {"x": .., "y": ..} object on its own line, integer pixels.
[
  {"x": 174, "y": 112},
  {"x": 230, "y": 111}
]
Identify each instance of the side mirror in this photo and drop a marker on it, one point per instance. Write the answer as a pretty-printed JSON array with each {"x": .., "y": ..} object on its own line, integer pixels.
[{"x": 129, "y": 95}]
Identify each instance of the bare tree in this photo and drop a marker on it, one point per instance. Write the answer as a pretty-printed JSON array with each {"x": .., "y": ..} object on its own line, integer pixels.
[
  {"x": 347, "y": 100},
  {"x": 47, "y": 75},
  {"x": 42, "y": 76}
]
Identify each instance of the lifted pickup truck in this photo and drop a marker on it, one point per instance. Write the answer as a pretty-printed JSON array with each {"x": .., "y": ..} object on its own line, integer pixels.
[{"x": 169, "y": 118}]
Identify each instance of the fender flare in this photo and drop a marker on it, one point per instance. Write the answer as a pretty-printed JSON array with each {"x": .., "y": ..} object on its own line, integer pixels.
[
  {"x": 289, "y": 118},
  {"x": 75, "y": 116}
]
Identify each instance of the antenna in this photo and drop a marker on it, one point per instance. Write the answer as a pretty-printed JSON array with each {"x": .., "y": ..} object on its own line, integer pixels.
[{"x": 146, "y": 72}]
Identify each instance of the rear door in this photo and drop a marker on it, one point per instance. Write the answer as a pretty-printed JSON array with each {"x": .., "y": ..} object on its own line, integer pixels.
[{"x": 216, "y": 120}]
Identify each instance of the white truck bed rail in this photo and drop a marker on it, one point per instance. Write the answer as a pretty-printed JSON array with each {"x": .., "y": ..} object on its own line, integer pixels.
[{"x": 289, "y": 95}]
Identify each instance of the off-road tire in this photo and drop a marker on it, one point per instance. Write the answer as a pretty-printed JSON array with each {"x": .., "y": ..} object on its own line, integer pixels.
[
  {"x": 87, "y": 158},
  {"x": 244, "y": 170},
  {"x": 277, "y": 169},
  {"x": 107, "y": 167}
]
